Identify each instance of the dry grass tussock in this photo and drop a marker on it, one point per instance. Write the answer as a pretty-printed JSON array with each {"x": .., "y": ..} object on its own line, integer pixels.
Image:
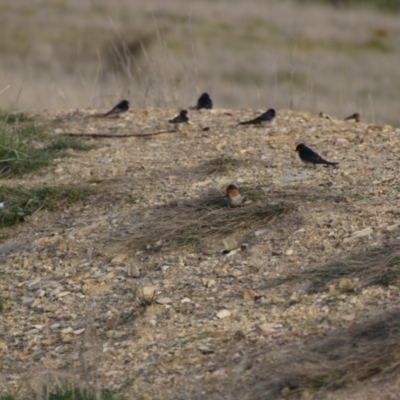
[
  {"x": 370, "y": 350},
  {"x": 203, "y": 220},
  {"x": 374, "y": 266},
  {"x": 348, "y": 363}
]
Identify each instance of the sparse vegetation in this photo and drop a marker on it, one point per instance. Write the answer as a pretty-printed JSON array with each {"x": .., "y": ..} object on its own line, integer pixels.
[
  {"x": 20, "y": 202},
  {"x": 383, "y": 5},
  {"x": 61, "y": 143},
  {"x": 17, "y": 154},
  {"x": 206, "y": 219},
  {"x": 65, "y": 392},
  {"x": 14, "y": 117},
  {"x": 25, "y": 147},
  {"x": 330, "y": 364},
  {"x": 2, "y": 300},
  {"x": 276, "y": 275},
  {"x": 377, "y": 266},
  {"x": 276, "y": 61}
]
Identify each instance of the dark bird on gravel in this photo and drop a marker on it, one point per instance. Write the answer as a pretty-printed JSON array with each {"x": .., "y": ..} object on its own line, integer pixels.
[
  {"x": 309, "y": 156},
  {"x": 233, "y": 198},
  {"x": 323, "y": 115},
  {"x": 120, "y": 108},
  {"x": 204, "y": 102},
  {"x": 180, "y": 118},
  {"x": 265, "y": 118},
  {"x": 355, "y": 117}
]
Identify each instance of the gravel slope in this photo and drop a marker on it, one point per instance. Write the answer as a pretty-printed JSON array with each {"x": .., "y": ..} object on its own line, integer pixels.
[{"x": 179, "y": 322}]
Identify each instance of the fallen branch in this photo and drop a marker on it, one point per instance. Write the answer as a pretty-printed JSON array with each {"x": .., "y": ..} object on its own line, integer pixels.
[{"x": 110, "y": 135}]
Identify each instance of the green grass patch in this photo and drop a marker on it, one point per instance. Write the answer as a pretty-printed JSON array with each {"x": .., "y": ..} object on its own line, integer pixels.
[
  {"x": 77, "y": 393},
  {"x": 66, "y": 392},
  {"x": 331, "y": 380},
  {"x": 25, "y": 148},
  {"x": 17, "y": 153},
  {"x": 382, "y": 5},
  {"x": 14, "y": 117},
  {"x": 7, "y": 397},
  {"x": 2, "y": 301},
  {"x": 20, "y": 202},
  {"x": 62, "y": 143}
]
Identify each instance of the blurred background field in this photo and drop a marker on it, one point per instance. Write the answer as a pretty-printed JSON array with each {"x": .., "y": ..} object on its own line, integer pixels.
[{"x": 335, "y": 56}]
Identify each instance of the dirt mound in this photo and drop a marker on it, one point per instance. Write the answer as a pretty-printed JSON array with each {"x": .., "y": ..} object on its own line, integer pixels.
[{"x": 151, "y": 286}]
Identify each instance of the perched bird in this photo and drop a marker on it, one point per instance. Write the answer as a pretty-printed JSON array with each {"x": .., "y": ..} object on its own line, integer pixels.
[
  {"x": 121, "y": 107},
  {"x": 326, "y": 116},
  {"x": 181, "y": 117},
  {"x": 267, "y": 117},
  {"x": 233, "y": 198},
  {"x": 204, "y": 102},
  {"x": 355, "y": 117},
  {"x": 311, "y": 157}
]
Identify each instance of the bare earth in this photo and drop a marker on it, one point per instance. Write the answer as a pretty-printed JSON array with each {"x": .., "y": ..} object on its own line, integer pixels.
[{"x": 198, "y": 322}]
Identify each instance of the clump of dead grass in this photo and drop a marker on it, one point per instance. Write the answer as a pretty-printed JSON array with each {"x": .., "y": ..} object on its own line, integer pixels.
[
  {"x": 375, "y": 266},
  {"x": 201, "y": 220},
  {"x": 219, "y": 165},
  {"x": 346, "y": 358},
  {"x": 123, "y": 55},
  {"x": 222, "y": 165}
]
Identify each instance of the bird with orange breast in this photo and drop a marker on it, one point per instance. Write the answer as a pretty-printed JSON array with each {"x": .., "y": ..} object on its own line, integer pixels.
[{"x": 232, "y": 197}]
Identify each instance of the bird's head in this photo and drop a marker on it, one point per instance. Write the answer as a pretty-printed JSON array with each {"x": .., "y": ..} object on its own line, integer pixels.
[
  {"x": 300, "y": 147},
  {"x": 232, "y": 190}
]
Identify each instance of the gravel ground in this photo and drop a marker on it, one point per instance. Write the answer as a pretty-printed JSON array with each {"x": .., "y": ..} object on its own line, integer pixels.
[{"x": 84, "y": 299}]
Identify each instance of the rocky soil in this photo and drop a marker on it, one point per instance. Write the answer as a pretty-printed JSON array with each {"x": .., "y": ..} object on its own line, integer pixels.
[{"x": 84, "y": 300}]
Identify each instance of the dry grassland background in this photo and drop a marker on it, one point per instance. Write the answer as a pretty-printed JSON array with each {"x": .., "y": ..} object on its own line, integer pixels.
[{"x": 63, "y": 54}]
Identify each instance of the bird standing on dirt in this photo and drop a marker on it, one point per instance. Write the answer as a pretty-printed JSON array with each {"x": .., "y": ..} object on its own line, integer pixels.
[
  {"x": 180, "y": 118},
  {"x": 323, "y": 115},
  {"x": 120, "y": 108},
  {"x": 355, "y": 117},
  {"x": 309, "y": 156},
  {"x": 233, "y": 198},
  {"x": 267, "y": 118},
  {"x": 204, "y": 102}
]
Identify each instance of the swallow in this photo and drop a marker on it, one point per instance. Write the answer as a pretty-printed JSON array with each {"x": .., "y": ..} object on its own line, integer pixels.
[
  {"x": 232, "y": 197},
  {"x": 120, "y": 108},
  {"x": 311, "y": 157},
  {"x": 180, "y": 118},
  {"x": 355, "y": 117},
  {"x": 204, "y": 102},
  {"x": 267, "y": 117},
  {"x": 326, "y": 116}
]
